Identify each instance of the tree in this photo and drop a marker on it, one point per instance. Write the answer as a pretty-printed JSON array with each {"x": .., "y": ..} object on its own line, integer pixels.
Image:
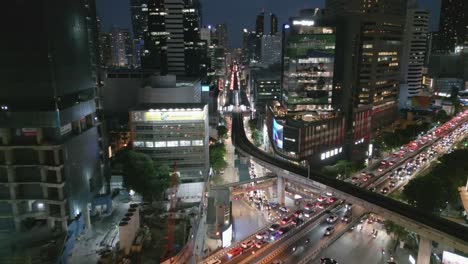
[
  {"x": 399, "y": 232},
  {"x": 222, "y": 132},
  {"x": 425, "y": 193},
  {"x": 257, "y": 137},
  {"x": 143, "y": 176},
  {"x": 218, "y": 156},
  {"x": 345, "y": 168}
]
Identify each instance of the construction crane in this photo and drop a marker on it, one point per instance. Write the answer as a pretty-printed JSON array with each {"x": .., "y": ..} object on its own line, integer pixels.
[{"x": 171, "y": 223}]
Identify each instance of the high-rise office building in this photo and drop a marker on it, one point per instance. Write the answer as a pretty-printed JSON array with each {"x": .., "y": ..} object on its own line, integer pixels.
[
  {"x": 174, "y": 40},
  {"x": 413, "y": 54},
  {"x": 259, "y": 30},
  {"x": 371, "y": 38},
  {"x": 222, "y": 35},
  {"x": 195, "y": 47},
  {"x": 50, "y": 153},
  {"x": 155, "y": 53},
  {"x": 122, "y": 51},
  {"x": 273, "y": 24},
  {"x": 139, "y": 15},
  {"x": 271, "y": 49},
  {"x": 174, "y": 134},
  {"x": 105, "y": 48},
  {"x": 249, "y": 47},
  {"x": 308, "y": 64},
  {"x": 453, "y": 25},
  {"x": 174, "y": 23}
]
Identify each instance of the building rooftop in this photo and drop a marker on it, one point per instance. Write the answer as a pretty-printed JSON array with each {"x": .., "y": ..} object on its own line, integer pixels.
[{"x": 171, "y": 106}]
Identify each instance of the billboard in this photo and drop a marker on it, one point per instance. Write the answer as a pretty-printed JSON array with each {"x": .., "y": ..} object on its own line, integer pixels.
[
  {"x": 182, "y": 115},
  {"x": 278, "y": 134},
  {"x": 227, "y": 237}
]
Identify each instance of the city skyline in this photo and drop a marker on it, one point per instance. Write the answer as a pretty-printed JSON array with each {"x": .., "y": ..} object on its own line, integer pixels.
[{"x": 119, "y": 14}]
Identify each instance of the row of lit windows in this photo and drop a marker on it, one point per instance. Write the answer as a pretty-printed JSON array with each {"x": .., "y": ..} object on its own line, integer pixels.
[{"x": 168, "y": 144}]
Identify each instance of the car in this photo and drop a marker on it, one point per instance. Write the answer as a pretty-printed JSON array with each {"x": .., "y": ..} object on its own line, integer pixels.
[
  {"x": 381, "y": 168},
  {"x": 328, "y": 261},
  {"x": 348, "y": 206},
  {"x": 383, "y": 162},
  {"x": 234, "y": 252},
  {"x": 283, "y": 230},
  {"x": 329, "y": 230},
  {"x": 332, "y": 218},
  {"x": 364, "y": 179},
  {"x": 318, "y": 205},
  {"x": 371, "y": 175},
  {"x": 216, "y": 261},
  {"x": 247, "y": 244},
  {"x": 392, "y": 184},
  {"x": 275, "y": 235},
  {"x": 260, "y": 243},
  {"x": 331, "y": 200},
  {"x": 363, "y": 173},
  {"x": 347, "y": 216},
  {"x": 297, "y": 221},
  {"x": 262, "y": 235},
  {"x": 308, "y": 206},
  {"x": 354, "y": 179},
  {"x": 286, "y": 220},
  {"x": 308, "y": 213},
  {"x": 274, "y": 227},
  {"x": 321, "y": 198},
  {"x": 329, "y": 194},
  {"x": 284, "y": 209},
  {"x": 391, "y": 163},
  {"x": 298, "y": 213},
  {"x": 384, "y": 190}
]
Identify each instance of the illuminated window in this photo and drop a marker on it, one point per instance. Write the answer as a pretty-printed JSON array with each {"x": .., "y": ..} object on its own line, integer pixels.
[
  {"x": 173, "y": 143},
  {"x": 138, "y": 144},
  {"x": 160, "y": 144},
  {"x": 197, "y": 142},
  {"x": 184, "y": 143},
  {"x": 149, "y": 144}
]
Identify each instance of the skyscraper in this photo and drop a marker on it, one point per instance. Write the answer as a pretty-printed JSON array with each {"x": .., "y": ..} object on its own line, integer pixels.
[
  {"x": 155, "y": 54},
  {"x": 195, "y": 48},
  {"x": 105, "y": 48},
  {"x": 273, "y": 24},
  {"x": 51, "y": 160},
  {"x": 371, "y": 40},
  {"x": 222, "y": 35},
  {"x": 271, "y": 49},
  {"x": 139, "y": 15},
  {"x": 453, "y": 27},
  {"x": 413, "y": 54},
  {"x": 259, "y": 30},
  {"x": 174, "y": 22},
  {"x": 122, "y": 51}
]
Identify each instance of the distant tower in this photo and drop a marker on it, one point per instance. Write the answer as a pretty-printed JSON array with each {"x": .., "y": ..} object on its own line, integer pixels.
[{"x": 273, "y": 24}]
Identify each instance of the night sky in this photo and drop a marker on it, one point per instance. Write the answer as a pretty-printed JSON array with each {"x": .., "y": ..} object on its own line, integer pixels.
[{"x": 237, "y": 14}]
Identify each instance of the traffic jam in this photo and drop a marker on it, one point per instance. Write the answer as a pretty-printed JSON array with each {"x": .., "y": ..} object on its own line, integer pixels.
[{"x": 389, "y": 176}]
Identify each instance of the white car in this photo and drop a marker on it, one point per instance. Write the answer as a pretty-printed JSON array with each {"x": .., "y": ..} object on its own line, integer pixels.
[{"x": 332, "y": 218}]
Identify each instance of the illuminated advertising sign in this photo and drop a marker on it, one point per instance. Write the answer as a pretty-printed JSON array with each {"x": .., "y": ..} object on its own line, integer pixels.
[
  {"x": 451, "y": 258},
  {"x": 227, "y": 237},
  {"x": 182, "y": 115},
  {"x": 303, "y": 22},
  {"x": 205, "y": 88},
  {"x": 277, "y": 134}
]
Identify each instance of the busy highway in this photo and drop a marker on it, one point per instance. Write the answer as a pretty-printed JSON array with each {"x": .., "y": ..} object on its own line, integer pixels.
[{"x": 404, "y": 163}]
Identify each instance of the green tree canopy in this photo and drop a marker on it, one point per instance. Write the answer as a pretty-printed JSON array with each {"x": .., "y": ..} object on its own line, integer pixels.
[
  {"x": 218, "y": 156},
  {"x": 222, "y": 132},
  {"x": 441, "y": 116},
  {"x": 257, "y": 137},
  {"x": 143, "y": 176},
  {"x": 432, "y": 191}
]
